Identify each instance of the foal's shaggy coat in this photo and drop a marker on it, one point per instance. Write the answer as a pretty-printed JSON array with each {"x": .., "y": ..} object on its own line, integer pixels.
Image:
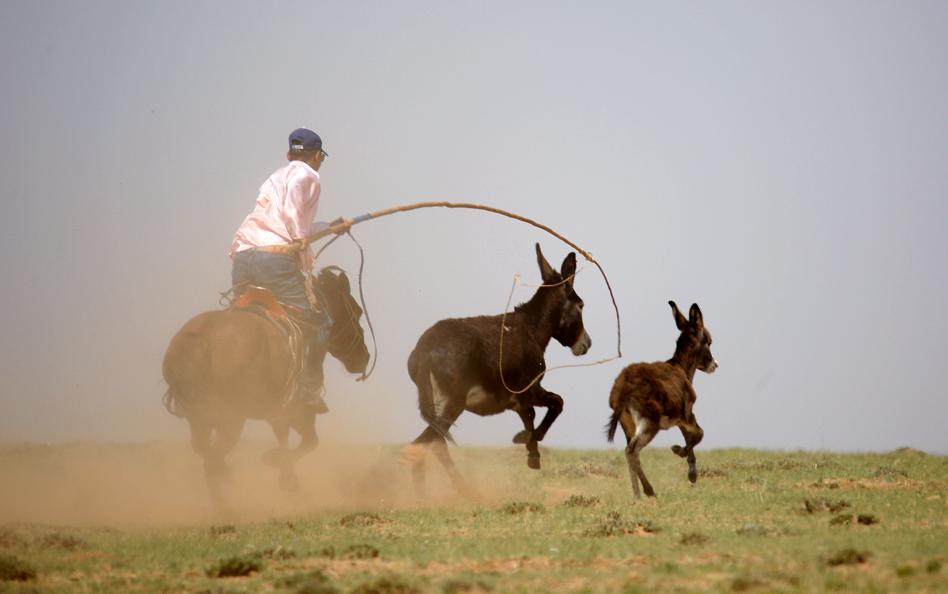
[{"x": 648, "y": 397}]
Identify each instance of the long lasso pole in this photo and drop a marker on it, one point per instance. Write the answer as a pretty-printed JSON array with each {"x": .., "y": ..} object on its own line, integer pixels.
[{"x": 340, "y": 228}]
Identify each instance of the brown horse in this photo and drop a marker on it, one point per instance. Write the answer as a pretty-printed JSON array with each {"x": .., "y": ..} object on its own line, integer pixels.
[{"x": 226, "y": 366}]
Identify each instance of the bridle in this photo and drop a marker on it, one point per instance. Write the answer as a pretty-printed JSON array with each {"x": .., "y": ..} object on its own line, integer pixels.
[{"x": 353, "y": 317}]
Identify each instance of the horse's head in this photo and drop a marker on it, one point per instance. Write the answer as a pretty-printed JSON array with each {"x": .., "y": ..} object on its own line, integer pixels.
[
  {"x": 346, "y": 338},
  {"x": 568, "y": 330}
]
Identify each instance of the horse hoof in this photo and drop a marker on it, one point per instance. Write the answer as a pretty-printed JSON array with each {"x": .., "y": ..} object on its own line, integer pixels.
[
  {"x": 679, "y": 450},
  {"x": 693, "y": 476},
  {"x": 521, "y": 437},
  {"x": 534, "y": 462}
]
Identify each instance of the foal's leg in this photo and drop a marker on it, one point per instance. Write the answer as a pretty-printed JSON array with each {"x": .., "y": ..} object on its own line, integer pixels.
[
  {"x": 642, "y": 433},
  {"x": 693, "y": 435}
]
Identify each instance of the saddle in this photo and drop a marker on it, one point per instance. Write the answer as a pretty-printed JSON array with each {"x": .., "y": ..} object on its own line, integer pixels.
[{"x": 262, "y": 302}]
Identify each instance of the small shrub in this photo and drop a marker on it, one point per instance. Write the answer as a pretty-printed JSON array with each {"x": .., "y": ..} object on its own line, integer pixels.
[
  {"x": 867, "y": 519},
  {"x": 520, "y": 507},
  {"x": 278, "y": 552},
  {"x": 694, "y": 538},
  {"x": 745, "y": 583},
  {"x": 386, "y": 585},
  {"x": 889, "y": 472},
  {"x": 223, "y": 530},
  {"x": 905, "y": 571},
  {"x": 66, "y": 542},
  {"x": 362, "y": 520},
  {"x": 614, "y": 524},
  {"x": 821, "y": 504},
  {"x": 313, "y": 582},
  {"x": 15, "y": 570},
  {"x": 360, "y": 551},
  {"x": 238, "y": 566},
  {"x": 10, "y": 539},
  {"x": 711, "y": 473},
  {"x": 842, "y": 520},
  {"x": 580, "y": 501},
  {"x": 933, "y": 566},
  {"x": 848, "y": 557}
]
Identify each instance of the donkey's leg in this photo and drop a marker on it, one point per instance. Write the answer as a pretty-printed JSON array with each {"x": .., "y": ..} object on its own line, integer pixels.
[
  {"x": 414, "y": 455},
  {"x": 528, "y": 435},
  {"x": 440, "y": 447},
  {"x": 693, "y": 434},
  {"x": 644, "y": 432},
  {"x": 527, "y": 416},
  {"x": 554, "y": 406},
  {"x": 628, "y": 427}
]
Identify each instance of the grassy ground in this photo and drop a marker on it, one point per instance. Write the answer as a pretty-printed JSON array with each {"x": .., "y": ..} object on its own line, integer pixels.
[{"x": 755, "y": 521}]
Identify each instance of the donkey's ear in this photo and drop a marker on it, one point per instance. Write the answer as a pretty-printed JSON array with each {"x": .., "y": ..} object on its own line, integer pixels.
[
  {"x": 546, "y": 271},
  {"x": 695, "y": 317},
  {"x": 568, "y": 269},
  {"x": 680, "y": 320}
]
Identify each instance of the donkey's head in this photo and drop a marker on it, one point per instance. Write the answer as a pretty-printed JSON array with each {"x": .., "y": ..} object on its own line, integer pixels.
[
  {"x": 346, "y": 338},
  {"x": 695, "y": 340},
  {"x": 568, "y": 327}
]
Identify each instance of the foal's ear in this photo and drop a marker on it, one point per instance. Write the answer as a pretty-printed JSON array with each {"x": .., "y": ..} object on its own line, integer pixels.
[
  {"x": 695, "y": 317},
  {"x": 546, "y": 271},
  {"x": 680, "y": 320},
  {"x": 568, "y": 269}
]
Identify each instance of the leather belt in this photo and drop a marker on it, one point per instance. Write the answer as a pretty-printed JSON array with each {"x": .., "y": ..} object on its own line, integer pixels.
[{"x": 290, "y": 248}]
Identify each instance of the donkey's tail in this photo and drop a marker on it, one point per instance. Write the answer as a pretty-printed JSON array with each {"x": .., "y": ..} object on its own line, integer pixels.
[{"x": 186, "y": 370}]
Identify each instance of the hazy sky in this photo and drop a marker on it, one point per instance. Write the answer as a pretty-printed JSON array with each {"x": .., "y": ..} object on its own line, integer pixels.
[{"x": 783, "y": 164}]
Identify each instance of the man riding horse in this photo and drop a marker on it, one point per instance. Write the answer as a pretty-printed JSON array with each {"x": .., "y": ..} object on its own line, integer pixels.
[{"x": 269, "y": 251}]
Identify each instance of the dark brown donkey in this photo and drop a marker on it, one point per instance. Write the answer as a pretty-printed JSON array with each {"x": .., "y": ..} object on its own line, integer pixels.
[
  {"x": 456, "y": 367},
  {"x": 226, "y": 366},
  {"x": 648, "y": 397}
]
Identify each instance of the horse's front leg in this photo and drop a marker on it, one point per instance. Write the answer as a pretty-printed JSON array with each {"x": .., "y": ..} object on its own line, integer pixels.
[{"x": 304, "y": 423}]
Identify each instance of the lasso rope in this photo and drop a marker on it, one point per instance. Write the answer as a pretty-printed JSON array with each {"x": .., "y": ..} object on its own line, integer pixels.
[{"x": 341, "y": 228}]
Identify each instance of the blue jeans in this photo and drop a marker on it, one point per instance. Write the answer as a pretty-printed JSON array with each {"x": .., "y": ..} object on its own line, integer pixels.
[{"x": 280, "y": 273}]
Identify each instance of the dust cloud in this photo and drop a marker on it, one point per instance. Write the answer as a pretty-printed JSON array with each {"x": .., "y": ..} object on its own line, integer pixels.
[{"x": 162, "y": 483}]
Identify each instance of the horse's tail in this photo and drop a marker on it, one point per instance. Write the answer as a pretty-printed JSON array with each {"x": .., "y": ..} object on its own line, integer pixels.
[
  {"x": 613, "y": 424},
  {"x": 420, "y": 372},
  {"x": 186, "y": 370}
]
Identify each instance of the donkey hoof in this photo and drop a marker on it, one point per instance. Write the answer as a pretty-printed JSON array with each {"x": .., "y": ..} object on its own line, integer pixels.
[
  {"x": 533, "y": 461},
  {"x": 522, "y": 437}
]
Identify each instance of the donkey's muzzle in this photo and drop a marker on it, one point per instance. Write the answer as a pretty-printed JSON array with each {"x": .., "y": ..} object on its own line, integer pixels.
[{"x": 581, "y": 346}]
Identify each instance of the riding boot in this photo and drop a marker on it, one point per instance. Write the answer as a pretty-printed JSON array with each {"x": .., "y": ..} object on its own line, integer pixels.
[{"x": 309, "y": 388}]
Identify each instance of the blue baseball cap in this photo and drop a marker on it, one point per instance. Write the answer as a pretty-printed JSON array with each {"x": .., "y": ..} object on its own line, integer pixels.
[{"x": 304, "y": 139}]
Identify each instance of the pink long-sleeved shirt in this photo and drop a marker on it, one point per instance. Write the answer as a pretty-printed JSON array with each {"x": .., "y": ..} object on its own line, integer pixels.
[{"x": 285, "y": 209}]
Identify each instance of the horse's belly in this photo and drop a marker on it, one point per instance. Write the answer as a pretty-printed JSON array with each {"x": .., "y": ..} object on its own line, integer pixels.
[{"x": 483, "y": 403}]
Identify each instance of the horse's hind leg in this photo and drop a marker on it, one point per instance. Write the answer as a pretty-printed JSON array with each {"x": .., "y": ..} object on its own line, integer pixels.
[{"x": 226, "y": 433}]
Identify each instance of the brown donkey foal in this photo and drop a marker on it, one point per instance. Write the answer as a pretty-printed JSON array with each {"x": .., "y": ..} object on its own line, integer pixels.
[{"x": 648, "y": 397}]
